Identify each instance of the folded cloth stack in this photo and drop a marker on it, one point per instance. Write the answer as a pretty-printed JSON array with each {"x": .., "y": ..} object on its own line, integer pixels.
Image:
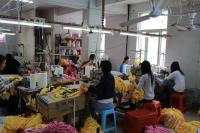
[
  {"x": 54, "y": 127},
  {"x": 156, "y": 129}
]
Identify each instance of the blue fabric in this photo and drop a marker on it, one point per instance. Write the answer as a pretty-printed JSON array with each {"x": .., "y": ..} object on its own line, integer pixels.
[{"x": 121, "y": 68}]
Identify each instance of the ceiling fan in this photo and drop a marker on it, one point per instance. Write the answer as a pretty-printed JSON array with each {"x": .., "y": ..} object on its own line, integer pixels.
[
  {"x": 191, "y": 27},
  {"x": 157, "y": 11}
]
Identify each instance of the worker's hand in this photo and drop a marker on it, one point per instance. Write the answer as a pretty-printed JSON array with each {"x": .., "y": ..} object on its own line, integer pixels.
[
  {"x": 11, "y": 79},
  {"x": 60, "y": 81}
]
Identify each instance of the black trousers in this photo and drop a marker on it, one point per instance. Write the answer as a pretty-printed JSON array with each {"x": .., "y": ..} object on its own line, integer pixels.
[{"x": 11, "y": 105}]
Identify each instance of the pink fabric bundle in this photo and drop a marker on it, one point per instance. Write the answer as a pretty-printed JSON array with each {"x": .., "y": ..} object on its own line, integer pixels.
[
  {"x": 69, "y": 77},
  {"x": 156, "y": 129},
  {"x": 55, "y": 127}
]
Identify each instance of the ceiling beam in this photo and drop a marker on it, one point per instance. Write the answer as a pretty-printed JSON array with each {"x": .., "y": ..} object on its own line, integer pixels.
[
  {"x": 109, "y": 2},
  {"x": 76, "y": 4}
]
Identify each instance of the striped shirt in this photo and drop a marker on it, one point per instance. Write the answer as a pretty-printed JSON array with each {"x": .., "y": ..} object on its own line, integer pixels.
[{"x": 5, "y": 84}]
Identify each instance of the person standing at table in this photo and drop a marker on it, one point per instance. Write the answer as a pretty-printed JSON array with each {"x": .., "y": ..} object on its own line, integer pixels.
[
  {"x": 6, "y": 85},
  {"x": 12, "y": 65},
  {"x": 125, "y": 62},
  {"x": 90, "y": 62}
]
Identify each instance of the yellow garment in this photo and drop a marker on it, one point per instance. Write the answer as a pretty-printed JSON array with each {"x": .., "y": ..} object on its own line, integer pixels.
[
  {"x": 172, "y": 118},
  {"x": 137, "y": 95},
  {"x": 91, "y": 126},
  {"x": 4, "y": 130},
  {"x": 12, "y": 123},
  {"x": 34, "y": 120},
  {"x": 198, "y": 112}
]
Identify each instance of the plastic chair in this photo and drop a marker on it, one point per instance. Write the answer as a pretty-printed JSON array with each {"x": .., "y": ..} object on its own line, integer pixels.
[{"x": 104, "y": 113}]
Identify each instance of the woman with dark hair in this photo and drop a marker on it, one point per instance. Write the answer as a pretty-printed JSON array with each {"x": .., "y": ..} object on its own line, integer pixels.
[
  {"x": 147, "y": 82},
  {"x": 177, "y": 76},
  {"x": 125, "y": 62},
  {"x": 90, "y": 62},
  {"x": 12, "y": 65},
  {"x": 104, "y": 90},
  {"x": 5, "y": 85}
]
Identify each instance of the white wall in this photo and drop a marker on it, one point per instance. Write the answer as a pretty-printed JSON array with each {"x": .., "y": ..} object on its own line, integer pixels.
[
  {"x": 185, "y": 48},
  {"x": 74, "y": 17},
  {"x": 115, "y": 46}
]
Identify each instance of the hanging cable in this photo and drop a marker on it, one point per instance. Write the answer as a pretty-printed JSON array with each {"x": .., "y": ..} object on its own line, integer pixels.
[
  {"x": 103, "y": 13},
  {"x": 127, "y": 29}
]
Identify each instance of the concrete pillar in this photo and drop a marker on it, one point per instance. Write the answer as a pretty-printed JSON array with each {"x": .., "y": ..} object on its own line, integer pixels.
[
  {"x": 27, "y": 37},
  {"x": 92, "y": 41}
]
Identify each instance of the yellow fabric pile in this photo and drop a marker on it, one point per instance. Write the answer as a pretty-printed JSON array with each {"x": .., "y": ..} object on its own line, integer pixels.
[
  {"x": 198, "y": 113},
  {"x": 120, "y": 86},
  {"x": 12, "y": 123},
  {"x": 137, "y": 95},
  {"x": 91, "y": 126},
  {"x": 174, "y": 119}
]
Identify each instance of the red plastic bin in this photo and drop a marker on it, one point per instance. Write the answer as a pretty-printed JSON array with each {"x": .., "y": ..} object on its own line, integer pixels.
[
  {"x": 135, "y": 121},
  {"x": 154, "y": 106}
]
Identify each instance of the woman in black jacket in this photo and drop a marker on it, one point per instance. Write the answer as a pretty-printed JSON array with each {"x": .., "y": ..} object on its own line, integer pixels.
[{"x": 104, "y": 91}]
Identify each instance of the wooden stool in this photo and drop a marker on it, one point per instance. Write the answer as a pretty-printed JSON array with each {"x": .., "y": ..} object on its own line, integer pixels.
[{"x": 178, "y": 101}]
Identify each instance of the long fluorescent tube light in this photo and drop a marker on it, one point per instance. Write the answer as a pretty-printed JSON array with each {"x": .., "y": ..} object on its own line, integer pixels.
[
  {"x": 7, "y": 33},
  {"x": 88, "y": 30},
  {"x": 132, "y": 34},
  {"x": 102, "y": 31},
  {"x": 25, "y": 23},
  {"x": 26, "y": 1},
  {"x": 76, "y": 28},
  {"x": 3, "y": 29}
]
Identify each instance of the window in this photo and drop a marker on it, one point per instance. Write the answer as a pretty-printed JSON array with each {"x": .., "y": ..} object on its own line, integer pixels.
[
  {"x": 2, "y": 38},
  {"x": 152, "y": 48}
]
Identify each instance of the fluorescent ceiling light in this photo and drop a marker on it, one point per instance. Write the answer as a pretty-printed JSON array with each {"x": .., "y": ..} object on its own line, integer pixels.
[
  {"x": 25, "y": 23},
  {"x": 76, "y": 28},
  {"x": 88, "y": 30},
  {"x": 102, "y": 31},
  {"x": 6, "y": 33},
  {"x": 26, "y": 1},
  {"x": 2, "y": 29},
  {"x": 132, "y": 34}
]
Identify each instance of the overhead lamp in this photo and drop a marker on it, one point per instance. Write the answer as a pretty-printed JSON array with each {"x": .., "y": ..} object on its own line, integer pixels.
[
  {"x": 3, "y": 29},
  {"x": 102, "y": 31},
  {"x": 88, "y": 30},
  {"x": 7, "y": 33},
  {"x": 76, "y": 28},
  {"x": 26, "y": 1},
  {"x": 133, "y": 34},
  {"x": 25, "y": 23}
]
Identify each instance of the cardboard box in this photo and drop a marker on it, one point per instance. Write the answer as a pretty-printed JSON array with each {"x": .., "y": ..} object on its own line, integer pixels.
[{"x": 54, "y": 108}]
